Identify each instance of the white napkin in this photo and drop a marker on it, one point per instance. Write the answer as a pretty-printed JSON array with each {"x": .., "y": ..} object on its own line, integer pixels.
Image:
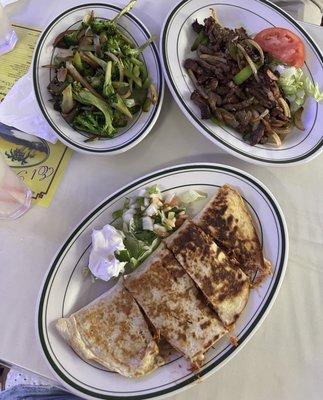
[
  {"x": 20, "y": 109},
  {"x": 7, "y": 2}
]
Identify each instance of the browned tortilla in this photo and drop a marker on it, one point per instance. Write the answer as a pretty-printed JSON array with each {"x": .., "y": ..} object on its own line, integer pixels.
[
  {"x": 174, "y": 305},
  {"x": 113, "y": 332},
  {"x": 227, "y": 219},
  {"x": 226, "y": 287}
]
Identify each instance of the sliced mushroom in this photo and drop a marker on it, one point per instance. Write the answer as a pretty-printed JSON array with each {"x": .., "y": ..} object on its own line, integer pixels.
[
  {"x": 271, "y": 75},
  {"x": 285, "y": 107},
  {"x": 274, "y": 139},
  {"x": 61, "y": 74}
]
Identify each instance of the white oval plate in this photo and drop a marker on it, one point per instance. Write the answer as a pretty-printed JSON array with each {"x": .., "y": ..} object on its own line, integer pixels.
[
  {"x": 254, "y": 15},
  {"x": 65, "y": 289},
  {"x": 142, "y": 123}
]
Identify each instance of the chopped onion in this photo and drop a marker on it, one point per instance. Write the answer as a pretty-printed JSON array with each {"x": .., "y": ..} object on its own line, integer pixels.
[
  {"x": 128, "y": 216},
  {"x": 169, "y": 197},
  {"x": 283, "y": 132},
  {"x": 151, "y": 210},
  {"x": 271, "y": 75},
  {"x": 249, "y": 61},
  {"x": 256, "y": 45},
  {"x": 274, "y": 139},
  {"x": 285, "y": 107},
  {"x": 147, "y": 224},
  {"x": 196, "y": 84},
  {"x": 215, "y": 16},
  {"x": 263, "y": 114}
]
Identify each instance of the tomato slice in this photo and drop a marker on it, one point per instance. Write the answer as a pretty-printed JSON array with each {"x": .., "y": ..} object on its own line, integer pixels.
[{"x": 283, "y": 45}]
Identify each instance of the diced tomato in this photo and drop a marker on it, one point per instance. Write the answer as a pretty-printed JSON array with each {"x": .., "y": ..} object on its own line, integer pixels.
[{"x": 282, "y": 45}]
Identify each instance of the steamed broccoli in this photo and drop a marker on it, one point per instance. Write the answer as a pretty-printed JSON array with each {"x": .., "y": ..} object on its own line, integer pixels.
[
  {"x": 114, "y": 99},
  {"x": 106, "y": 81},
  {"x": 71, "y": 39},
  {"x": 86, "y": 121},
  {"x": 84, "y": 96}
]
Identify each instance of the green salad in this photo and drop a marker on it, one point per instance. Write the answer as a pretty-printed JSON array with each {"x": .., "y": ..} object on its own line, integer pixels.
[{"x": 148, "y": 218}]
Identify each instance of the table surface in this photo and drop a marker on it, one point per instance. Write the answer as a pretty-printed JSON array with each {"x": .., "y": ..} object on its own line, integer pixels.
[{"x": 285, "y": 357}]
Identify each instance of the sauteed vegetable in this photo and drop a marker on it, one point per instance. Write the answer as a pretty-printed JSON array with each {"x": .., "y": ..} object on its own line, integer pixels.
[{"x": 100, "y": 80}]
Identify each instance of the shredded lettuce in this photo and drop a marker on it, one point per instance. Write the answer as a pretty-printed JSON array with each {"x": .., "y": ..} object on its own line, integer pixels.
[
  {"x": 136, "y": 249},
  {"x": 191, "y": 196},
  {"x": 297, "y": 87}
]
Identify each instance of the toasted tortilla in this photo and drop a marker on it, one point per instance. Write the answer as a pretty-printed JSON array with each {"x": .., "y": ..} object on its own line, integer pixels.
[
  {"x": 227, "y": 219},
  {"x": 112, "y": 331},
  {"x": 226, "y": 287},
  {"x": 174, "y": 305}
]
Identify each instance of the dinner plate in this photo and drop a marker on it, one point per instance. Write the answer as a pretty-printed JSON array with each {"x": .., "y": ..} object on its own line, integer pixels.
[
  {"x": 254, "y": 15},
  {"x": 141, "y": 124},
  {"x": 66, "y": 289}
]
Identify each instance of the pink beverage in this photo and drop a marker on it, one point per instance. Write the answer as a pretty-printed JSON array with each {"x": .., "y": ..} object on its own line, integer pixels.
[{"x": 15, "y": 197}]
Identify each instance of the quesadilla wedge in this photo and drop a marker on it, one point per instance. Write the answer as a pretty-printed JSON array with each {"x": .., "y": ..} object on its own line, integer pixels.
[
  {"x": 227, "y": 219},
  {"x": 113, "y": 332},
  {"x": 174, "y": 305},
  {"x": 225, "y": 287}
]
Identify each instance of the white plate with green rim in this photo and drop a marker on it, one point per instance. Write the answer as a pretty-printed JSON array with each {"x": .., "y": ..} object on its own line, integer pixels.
[
  {"x": 254, "y": 15},
  {"x": 66, "y": 290},
  {"x": 142, "y": 123}
]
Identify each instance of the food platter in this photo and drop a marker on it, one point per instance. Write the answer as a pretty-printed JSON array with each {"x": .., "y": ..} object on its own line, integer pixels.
[
  {"x": 254, "y": 17},
  {"x": 66, "y": 289},
  {"x": 44, "y": 54}
]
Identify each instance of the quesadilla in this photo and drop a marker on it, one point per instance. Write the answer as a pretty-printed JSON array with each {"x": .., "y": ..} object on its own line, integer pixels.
[
  {"x": 174, "y": 305},
  {"x": 112, "y": 331},
  {"x": 227, "y": 219},
  {"x": 225, "y": 287}
]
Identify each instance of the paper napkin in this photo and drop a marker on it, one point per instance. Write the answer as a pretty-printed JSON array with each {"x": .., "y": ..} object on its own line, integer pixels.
[{"x": 20, "y": 109}]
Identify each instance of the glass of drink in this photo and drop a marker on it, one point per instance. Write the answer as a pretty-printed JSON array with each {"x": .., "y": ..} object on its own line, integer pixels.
[
  {"x": 15, "y": 196},
  {"x": 8, "y": 37}
]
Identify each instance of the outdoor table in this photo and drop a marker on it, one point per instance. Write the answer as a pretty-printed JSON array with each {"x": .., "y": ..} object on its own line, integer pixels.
[{"x": 284, "y": 359}]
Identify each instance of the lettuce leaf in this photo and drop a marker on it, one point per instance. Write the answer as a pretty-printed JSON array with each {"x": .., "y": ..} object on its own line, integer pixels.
[
  {"x": 297, "y": 87},
  {"x": 191, "y": 196}
]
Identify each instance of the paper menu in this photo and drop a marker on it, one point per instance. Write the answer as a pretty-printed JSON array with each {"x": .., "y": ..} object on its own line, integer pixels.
[
  {"x": 15, "y": 64},
  {"x": 40, "y": 164}
]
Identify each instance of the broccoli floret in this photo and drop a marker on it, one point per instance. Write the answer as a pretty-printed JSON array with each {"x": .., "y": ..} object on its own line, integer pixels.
[
  {"x": 111, "y": 28},
  {"x": 71, "y": 39},
  {"x": 116, "y": 102},
  {"x": 96, "y": 82},
  {"x": 129, "y": 72},
  {"x": 84, "y": 96},
  {"x": 87, "y": 122},
  {"x": 98, "y": 26}
]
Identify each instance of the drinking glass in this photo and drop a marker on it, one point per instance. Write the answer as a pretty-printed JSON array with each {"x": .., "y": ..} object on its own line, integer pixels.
[
  {"x": 15, "y": 196},
  {"x": 8, "y": 37}
]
